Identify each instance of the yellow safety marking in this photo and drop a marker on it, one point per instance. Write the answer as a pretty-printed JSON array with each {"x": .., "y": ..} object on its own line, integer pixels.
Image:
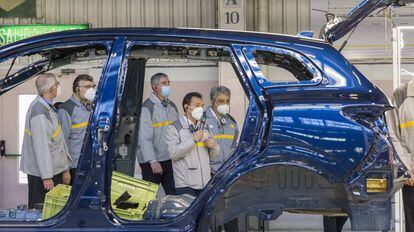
[
  {"x": 161, "y": 124},
  {"x": 407, "y": 124},
  {"x": 28, "y": 131},
  {"x": 200, "y": 144},
  {"x": 57, "y": 132},
  {"x": 79, "y": 125},
  {"x": 223, "y": 136}
]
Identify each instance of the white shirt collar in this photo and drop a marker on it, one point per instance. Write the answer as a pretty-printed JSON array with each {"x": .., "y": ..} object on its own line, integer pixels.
[{"x": 189, "y": 121}]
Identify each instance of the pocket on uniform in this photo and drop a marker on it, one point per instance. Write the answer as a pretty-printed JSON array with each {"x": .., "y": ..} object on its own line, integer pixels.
[{"x": 191, "y": 162}]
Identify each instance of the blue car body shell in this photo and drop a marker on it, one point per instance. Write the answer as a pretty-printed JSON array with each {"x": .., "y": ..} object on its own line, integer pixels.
[{"x": 333, "y": 127}]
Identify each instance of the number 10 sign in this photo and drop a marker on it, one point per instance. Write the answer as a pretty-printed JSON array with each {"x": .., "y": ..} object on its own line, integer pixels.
[{"x": 232, "y": 14}]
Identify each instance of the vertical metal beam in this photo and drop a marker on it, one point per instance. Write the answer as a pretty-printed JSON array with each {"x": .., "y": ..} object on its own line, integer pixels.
[
  {"x": 396, "y": 57},
  {"x": 397, "y": 32},
  {"x": 396, "y": 81}
]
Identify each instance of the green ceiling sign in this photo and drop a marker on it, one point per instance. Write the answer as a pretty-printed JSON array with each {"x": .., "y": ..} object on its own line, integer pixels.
[{"x": 13, "y": 33}]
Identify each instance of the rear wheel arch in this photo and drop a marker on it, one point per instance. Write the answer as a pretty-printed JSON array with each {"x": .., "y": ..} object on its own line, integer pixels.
[{"x": 253, "y": 191}]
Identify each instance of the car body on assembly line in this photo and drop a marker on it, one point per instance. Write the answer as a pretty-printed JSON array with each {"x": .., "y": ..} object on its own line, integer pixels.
[{"x": 317, "y": 145}]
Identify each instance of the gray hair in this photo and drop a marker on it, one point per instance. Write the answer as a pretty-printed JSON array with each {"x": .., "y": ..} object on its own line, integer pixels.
[
  {"x": 156, "y": 79},
  {"x": 44, "y": 82},
  {"x": 215, "y": 91}
]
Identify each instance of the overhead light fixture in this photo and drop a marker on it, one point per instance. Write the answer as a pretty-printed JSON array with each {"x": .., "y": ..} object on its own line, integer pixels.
[{"x": 68, "y": 71}]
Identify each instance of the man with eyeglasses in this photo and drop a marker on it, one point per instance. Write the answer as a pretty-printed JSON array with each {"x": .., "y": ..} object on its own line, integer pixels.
[
  {"x": 74, "y": 116},
  {"x": 45, "y": 157}
]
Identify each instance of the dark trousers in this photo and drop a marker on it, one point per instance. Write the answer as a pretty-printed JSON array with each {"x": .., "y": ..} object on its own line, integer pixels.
[
  {"x": 188, "y": 190},
  {"x": 72, "y": 176},
  {"x": 37, "y": 191},
  {"x": 408, "y": 200},
  {"x": 333, "y": 224},
  {"x": 166, "y": 179}
]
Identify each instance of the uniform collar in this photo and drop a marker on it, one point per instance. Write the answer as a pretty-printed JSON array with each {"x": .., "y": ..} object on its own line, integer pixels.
[
  {"x": 77, "y": 102},
  {"x": 210, "y": 113},
  {"x": 45, "y": 103},
  {"x": 185, "y": 122},
  {"x": 155, "y": 99},
  {"x": 49, "y": 102}
]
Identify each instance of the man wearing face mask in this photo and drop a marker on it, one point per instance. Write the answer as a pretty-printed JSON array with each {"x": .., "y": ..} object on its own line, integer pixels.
[
  {"x": 152, "y": 154},
  {"x": 224, "y": 130},
  {"x": 222, "y": 126},
  {"x": 74, "y": 116},
  {"x": 190, "y": 147},
  {"x": 45, "y": 158}
]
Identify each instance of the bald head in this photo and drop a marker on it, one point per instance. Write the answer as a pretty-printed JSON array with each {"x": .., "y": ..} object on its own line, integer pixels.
[{"x": 44, "y": 83}]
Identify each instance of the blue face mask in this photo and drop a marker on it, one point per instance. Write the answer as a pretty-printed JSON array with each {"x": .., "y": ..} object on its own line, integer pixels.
[{"x": 165, "y": 91}]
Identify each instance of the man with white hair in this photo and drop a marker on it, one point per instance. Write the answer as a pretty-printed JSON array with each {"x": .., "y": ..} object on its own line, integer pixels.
[{"x": 45, "y": 157}]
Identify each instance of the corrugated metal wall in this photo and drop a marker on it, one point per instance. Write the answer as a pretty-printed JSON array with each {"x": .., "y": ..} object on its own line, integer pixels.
[
  {"x": 125, "y": 13},
  {"x": 285, "y": 16}
]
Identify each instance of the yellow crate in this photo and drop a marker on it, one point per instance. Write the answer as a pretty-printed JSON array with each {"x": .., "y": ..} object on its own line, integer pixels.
[
  {"x": 141, "y": 192},
  {"x": 55, "y": 200}
]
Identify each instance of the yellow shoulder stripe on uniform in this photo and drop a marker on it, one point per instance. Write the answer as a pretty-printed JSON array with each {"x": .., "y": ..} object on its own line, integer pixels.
[
  {"x": 407, "y": 124},
  {"x": 57, "y": 132},
  {"x": 28, "y": 131},
  {"x": 200, "y": 144},
  {"x": 161, "y": 124},
  {"x": 223, "y": 136},
  {"x": 79, "y": 125}
]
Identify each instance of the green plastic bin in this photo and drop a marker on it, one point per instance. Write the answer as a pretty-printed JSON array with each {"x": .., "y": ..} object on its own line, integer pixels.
[
  {"x": 141, "y": 192},
  {"x": 55, "y": 200}
]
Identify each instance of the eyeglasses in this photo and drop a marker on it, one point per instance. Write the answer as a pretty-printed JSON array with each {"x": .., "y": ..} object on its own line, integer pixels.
[{"x": 87, "y": 86}]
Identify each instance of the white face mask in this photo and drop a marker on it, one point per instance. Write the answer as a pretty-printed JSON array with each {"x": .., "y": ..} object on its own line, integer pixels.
[
  {"x": 58, "y": 90},
  {"x": 197, "y": 113},
  {"x": 89, "y": 94},
  {"x": 223, "y": 109}
]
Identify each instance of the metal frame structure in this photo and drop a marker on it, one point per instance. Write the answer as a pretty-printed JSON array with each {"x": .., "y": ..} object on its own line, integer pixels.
[
  {"x": 399, "y": 221},
  {"x": 329, "y": 116}
]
